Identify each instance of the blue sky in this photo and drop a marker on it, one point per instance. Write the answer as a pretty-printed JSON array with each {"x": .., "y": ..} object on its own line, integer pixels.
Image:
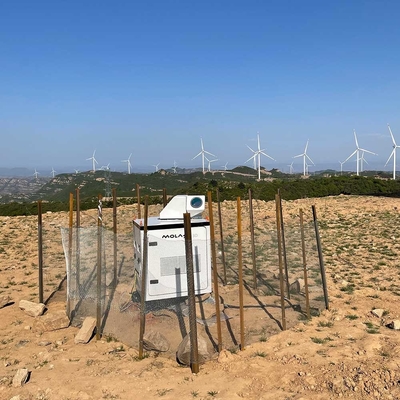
[{"x": 153, "y": 77}]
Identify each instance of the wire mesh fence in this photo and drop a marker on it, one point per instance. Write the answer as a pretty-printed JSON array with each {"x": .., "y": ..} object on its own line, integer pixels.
[{"x": 102, "y": 280}]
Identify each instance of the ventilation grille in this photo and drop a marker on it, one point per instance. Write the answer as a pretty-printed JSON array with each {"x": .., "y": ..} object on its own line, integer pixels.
[{"x": 177, "y": 265}]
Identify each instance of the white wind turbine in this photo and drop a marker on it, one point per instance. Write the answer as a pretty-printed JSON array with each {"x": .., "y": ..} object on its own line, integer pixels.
[
  {"x": 257, "y": 154},
  {"x": 209, "y": 163},
  {"x": 291, "y": 168},
  {"x": 203, "y": 153},
  {"x": 53, "y": 173},
  {"x": 156, "y": 166},
  {"x": 225, "y": 167},
  {"x": 128, "y": 162},
  {"x": 393, "y": 153},
  {"x": 305, "y": 157},
  {"x": 174, "y": 167},
  {"x": 357, "y": 153},
  {"x": 94, "y": 161},
  {"x": 362, "y": 161},
  {"x": 77, "y": 171},
  {"x": 35, "y": 174}
]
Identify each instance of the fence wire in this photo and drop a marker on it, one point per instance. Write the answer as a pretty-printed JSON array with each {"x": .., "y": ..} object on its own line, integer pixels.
[{"x": 167, "y": 319}]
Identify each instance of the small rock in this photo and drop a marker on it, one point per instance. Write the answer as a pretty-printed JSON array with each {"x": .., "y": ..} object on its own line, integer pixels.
[
  {"x": 4, "y": 300},
  {"x": 20, "y": 377},
  {"x": 155, "y": 341},
  {"x": 183, "y": 352},
  {"x": 44, "y": 343},
  {"x": 27, "y": 328},
  {"x": 378, "y": 312},
  {"x": 395, "y": 324},
  {"x": 32, "y": 309},
  {"x": 297, "y": 286},
  {"x": 86, "y": 331},
  {"x": 51, "y": 322},
  {"x": 18, "y": 397}
]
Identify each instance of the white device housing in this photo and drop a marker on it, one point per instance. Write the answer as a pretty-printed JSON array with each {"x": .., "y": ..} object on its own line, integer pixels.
[{"x": 166, "y": 268}]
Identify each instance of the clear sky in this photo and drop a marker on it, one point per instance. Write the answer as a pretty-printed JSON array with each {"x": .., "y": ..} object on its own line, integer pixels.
[{"x": 153, "y": 77}]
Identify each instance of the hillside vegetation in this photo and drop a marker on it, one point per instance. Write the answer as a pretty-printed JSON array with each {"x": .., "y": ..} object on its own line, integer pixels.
[{"x": 230, "y": 184}]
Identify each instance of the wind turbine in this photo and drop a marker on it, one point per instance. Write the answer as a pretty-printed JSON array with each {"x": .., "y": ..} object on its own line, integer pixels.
[
  {"x": 225, "y": 167},
  {"x": 128, "y": 161},
  {"x": 105, "y": 167},
  {"x": 77, "y": 171},
  {"x": 257, "y": 154},
  {"x": 203, "y": 153},
  {"x": 362, "y": 160},
  {"x": 94, "y": 161},
  {"x": 36, "y": 174},
  {"x": 156, "y": 166},
  {"x": 305, "y": 157},
  {"x": 291, "y": 168},
  {"x": 357, "y": 152},
  {"x": 174, "y": 167},
  {"x": 53, "y": 172},
  {"x": 209, "y": 163},
  {"x": 393, "y": 153}
]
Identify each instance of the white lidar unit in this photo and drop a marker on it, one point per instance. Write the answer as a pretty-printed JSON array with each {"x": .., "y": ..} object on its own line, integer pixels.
[{"x": 166, "y": 268}]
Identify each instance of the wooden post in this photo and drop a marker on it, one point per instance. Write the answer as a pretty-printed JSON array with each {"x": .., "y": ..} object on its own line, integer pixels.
[
  {"x": 282, "y": 286},
  {"x": 241, "y": 301},
  {"x": 303, "y": 248},
  {"x": 215, "y": 271},
  {"x": 194, "y": 350},
  {"x": 222, "y": 237},
  {"x": 253, "y": 246},
  {"x": 70, "y": 224},
  {"x": 164, "y": 197},
  {"x": 144, "y": 279},
  {"x": 40, "y": 251}
]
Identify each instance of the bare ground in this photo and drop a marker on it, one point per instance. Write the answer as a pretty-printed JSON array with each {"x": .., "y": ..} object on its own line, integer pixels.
[{"x": 346, "y": 352}]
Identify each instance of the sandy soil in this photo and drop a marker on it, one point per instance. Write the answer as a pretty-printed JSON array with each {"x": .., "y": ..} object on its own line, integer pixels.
[{"x": 346, "y": 352}]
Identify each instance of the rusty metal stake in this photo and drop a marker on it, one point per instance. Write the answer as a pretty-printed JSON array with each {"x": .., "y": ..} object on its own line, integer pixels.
[
  {"x": 98, "y": 270},
  {"x": 40, "y": 251},
  {"x": 144, "y": 278},
  {"x": 282, "y": 287},
  {"x": 284, "y": 246},
  {"x": 253, "y": 246},
  {"x": 114, "y": 195},
  {"x": 241, "y": 302},
  {"x": 321, "y": 259},
  {"x": 138, "y": 200},
  {"x": 215, "y": 272},
  {"x": 303, "y": 248},
  {"x": 71, "y": 214},
  {"x": 194, "y": 350},
  {"x": 222, "y": 237},
  {"x": 78, "y": 243}
]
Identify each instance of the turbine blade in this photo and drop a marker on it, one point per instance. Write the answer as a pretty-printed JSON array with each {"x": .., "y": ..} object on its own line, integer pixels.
[
  {"x": 253, "y": 156},
  {"x": 355, "y": 137},
  {"x": 211, "y": 154},
  {"x": 391, "y": 134},
  {"x": 251, "y": 149},
  {"x": 367, "y": 151},
  {"x": 261, "y": 152},
  {"x": 310, "y": 159},
  {"x": 351, "y": 155},
  {"x": 305, "y": 150},
  {"x": 391, "y": 154},
  {"x": 197, "y": 155}
]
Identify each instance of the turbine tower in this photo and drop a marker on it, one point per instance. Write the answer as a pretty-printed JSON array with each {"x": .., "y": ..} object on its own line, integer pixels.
[
  {"x": 257, "y": 155},
  {"x": 203, "y": 153},
  {"x": 357, "y": 153},
  {"x": 94, "y": 161},
  {"x": 393, "y": 153},
  {"x": 209, "y": 163},
  {"x": 128, "y": 162},
  {"x": 305, "y": 158}
]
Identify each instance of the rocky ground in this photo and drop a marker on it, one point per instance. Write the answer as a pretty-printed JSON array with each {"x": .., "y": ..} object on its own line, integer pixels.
[{"x": 349, "y": 351}]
